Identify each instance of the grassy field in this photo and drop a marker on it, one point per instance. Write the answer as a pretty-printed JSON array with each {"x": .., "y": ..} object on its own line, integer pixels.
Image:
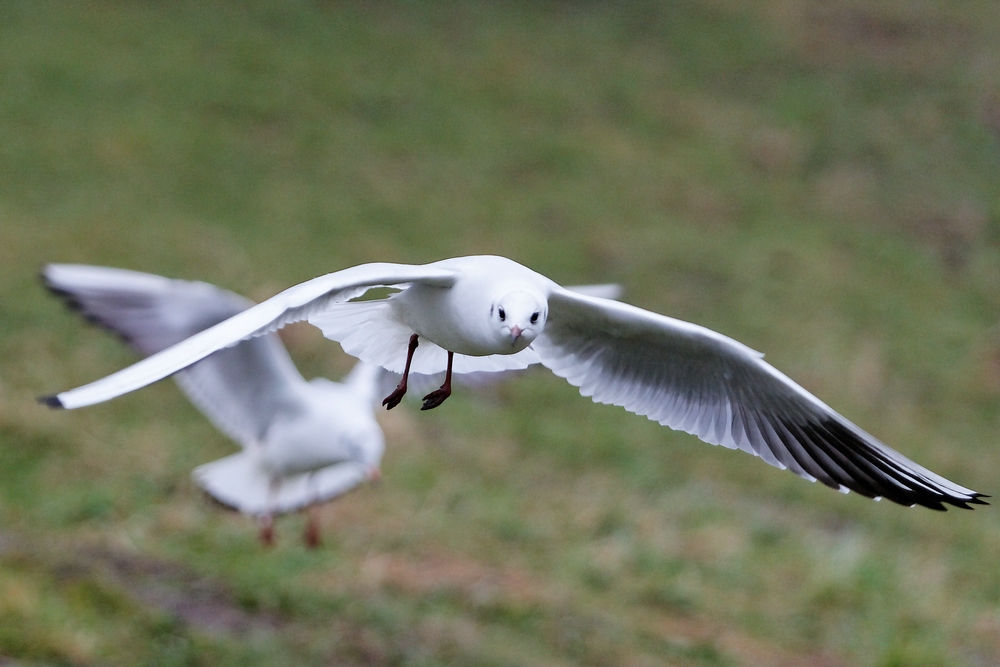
[{"x": 815, "y": 179}]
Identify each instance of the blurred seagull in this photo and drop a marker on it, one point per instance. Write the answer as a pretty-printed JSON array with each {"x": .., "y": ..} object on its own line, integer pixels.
[
  {"x": 489, "y": 313},
  {"x": 303, "y": 442}
]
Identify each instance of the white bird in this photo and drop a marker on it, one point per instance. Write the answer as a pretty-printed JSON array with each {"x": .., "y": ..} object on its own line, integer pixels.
[
  {"x": 488, "y": 313},
  {"x": 303, "y": 442}
]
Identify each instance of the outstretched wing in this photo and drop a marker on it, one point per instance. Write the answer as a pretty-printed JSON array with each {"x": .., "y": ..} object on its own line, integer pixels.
[
  {"x": 693, "y": 379},
  {"x": 294, "y": 304},
  {"x": 239, "y": 389}
]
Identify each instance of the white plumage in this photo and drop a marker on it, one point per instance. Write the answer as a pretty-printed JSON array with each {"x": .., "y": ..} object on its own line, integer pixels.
[{"x": 491, "y": 313}]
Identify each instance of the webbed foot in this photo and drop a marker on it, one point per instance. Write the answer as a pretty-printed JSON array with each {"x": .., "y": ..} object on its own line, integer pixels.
[
  {"x": 393, "y": 399},
  {"x": 436, "y": 398}
]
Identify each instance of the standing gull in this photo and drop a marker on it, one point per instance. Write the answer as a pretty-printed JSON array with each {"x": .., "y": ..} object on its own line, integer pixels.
[
  {"x": 488, "y": 313},
  {"x": 303, "y": 442}
]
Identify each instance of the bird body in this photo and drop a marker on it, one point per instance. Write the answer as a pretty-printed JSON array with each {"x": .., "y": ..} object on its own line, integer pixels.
[
  {"x": 324, "y": 446},
  {"x": 431, "y": 313},
  {"x": 333, "y": 423},
  {"x": 488, "y": 313}
]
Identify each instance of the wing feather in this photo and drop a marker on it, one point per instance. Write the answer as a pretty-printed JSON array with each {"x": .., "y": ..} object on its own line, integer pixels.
[
  {"x": 239, "y": 388},
  {"x": 696, "y": 380},
  {"x": 294, "y": 304}
]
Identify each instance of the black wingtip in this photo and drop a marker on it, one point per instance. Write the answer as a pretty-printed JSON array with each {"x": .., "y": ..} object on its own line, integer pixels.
[
  {"x": 969, "y": 503},
  {"x": 978, "y": 499},
  {"x": 51, "y": 401}
]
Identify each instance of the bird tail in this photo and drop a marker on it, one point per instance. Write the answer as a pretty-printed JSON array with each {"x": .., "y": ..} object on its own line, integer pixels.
[{"x": 239, "y": 482}]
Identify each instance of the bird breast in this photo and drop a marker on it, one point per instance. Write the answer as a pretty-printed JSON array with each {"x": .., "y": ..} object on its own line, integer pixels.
[{"x": 454, "y": 318}]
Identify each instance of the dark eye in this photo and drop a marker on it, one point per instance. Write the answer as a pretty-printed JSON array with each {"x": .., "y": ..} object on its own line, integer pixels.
[
  {"x": 534, "y": 317},
  {"x": 503, "y": 315}
]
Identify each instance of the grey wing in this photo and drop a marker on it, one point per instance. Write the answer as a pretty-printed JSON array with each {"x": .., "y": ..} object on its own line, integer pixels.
[
  {"x": 601, "y": 290},
  {"x": 239, "y": 389},
  {"x": 294, "y": 304},
  {"x": 149, "y": 312},
  {"x": 693, "y": 379}
]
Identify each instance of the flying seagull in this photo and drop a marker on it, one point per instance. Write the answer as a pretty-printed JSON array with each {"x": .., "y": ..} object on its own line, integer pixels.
[
  {"x": 488, "y": 313},
  {"x": 304, "y": 443}
]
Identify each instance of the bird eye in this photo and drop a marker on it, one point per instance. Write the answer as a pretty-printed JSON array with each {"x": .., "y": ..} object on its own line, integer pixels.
[
  {"x": 534, "y": 317},
  {"x": 503, "y": 315}
]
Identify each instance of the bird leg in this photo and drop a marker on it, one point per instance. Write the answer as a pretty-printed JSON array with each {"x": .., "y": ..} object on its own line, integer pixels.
[
  {"x": 267, "y": 520},
  {"x": 267, "y": 530},
  {"x": 436, "y": 397},
  {"x": 311, "y": 534},
  {"x": 393, "y": 399}
]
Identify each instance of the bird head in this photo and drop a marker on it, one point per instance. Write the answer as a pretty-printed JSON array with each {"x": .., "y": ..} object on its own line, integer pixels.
[{"x": 519, "y": 316}]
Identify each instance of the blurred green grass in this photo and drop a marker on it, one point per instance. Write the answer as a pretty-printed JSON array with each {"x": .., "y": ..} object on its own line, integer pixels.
[{"x": 815, "y": 179}]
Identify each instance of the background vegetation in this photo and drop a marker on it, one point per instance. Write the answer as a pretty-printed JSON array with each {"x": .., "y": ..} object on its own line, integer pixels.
[{"x": 816, "y": 179}]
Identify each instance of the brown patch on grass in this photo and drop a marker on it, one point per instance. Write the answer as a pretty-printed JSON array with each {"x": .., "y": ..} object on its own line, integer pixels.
[
  {"x": 169, "y": 588},
  {"x": 473, "y": 580},
  {"x": 737, "y": 646},
  {"x": 481, "y": 584},
  {"x": 839, "y": 31},
  {"x": 776, "y": 150},
  {"x": 152, "y": 583},
  {"x": 953, "y": 234}
]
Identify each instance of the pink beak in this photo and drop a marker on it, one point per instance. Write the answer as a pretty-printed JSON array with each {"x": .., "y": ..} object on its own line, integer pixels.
[{"x": 516, "y": 331}]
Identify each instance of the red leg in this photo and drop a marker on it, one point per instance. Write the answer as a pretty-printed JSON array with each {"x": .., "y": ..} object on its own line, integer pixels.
[
  {"x": 393, "y": 399},
  {"x": 436, "y": 397},
  {"x": 311, "y": 535},
  {"x": 267, "y": 520},
  {"x": 267, "y": 530}
]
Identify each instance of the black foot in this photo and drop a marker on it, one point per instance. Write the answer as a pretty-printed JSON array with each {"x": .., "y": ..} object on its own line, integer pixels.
[
  {"x": 435, "y": 398},
  {"x": 393, "y": 399}
]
